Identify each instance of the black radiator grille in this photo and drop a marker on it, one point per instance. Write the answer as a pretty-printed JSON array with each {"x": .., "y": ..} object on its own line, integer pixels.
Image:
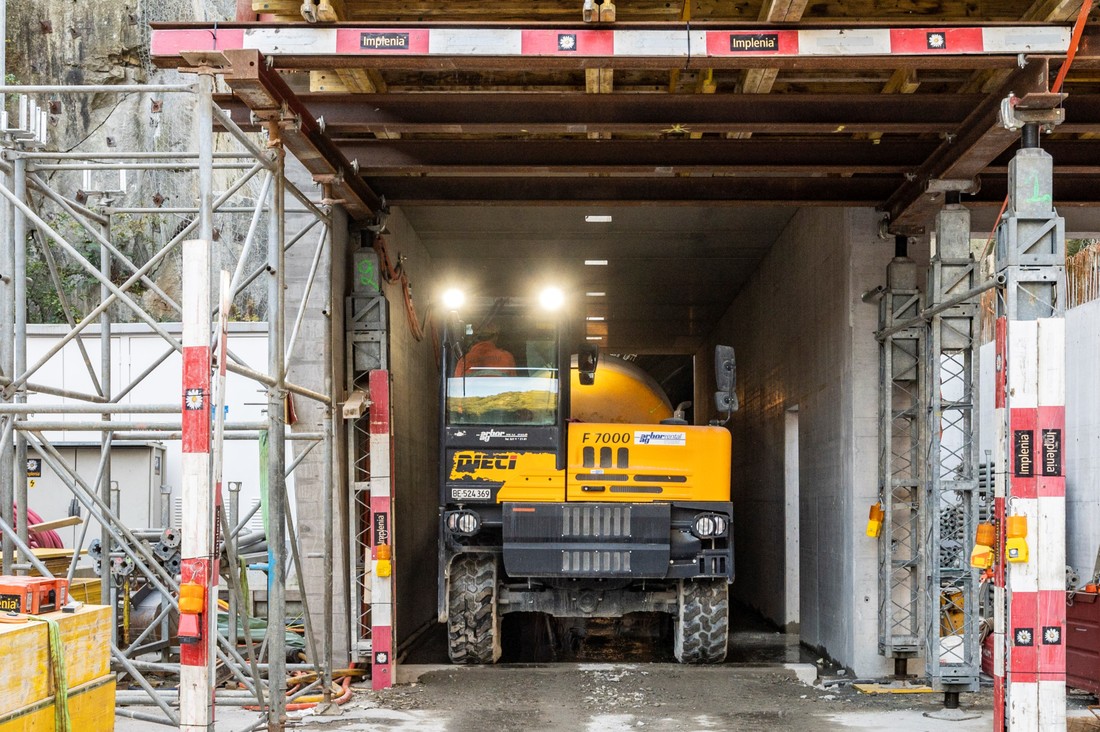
[
  {"x": 584, "y": 521},
  {"x": 595, "y": 561}
]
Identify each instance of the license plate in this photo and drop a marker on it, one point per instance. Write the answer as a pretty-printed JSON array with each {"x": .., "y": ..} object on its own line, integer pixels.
[{"x": 471, "y": 494}]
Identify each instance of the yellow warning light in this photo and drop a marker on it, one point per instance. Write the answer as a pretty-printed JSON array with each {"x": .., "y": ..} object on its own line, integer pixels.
[{"x": 874, "y": 520}]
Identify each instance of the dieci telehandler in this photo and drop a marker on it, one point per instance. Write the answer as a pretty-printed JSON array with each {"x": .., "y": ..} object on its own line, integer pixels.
[{"x": 571, "y": 491}]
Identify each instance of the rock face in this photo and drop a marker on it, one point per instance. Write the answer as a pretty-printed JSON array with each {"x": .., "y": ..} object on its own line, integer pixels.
[{"x": 105, "y": 42}]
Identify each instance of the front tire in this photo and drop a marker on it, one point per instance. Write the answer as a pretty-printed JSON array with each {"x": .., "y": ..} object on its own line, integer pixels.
[
  {"x": 473, "y": 622},
  {"x": 702, "y": 621}
]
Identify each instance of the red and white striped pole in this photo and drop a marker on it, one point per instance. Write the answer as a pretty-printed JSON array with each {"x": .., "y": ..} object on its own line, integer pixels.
[
  {"x": 1029, "y": 591},
  {"x": 381, "y": 506},
  {"x": 197, "y": 594},
  {"x": 198, "y": 576}
]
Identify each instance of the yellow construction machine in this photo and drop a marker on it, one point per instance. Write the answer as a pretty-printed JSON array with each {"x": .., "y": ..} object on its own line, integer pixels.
[{"x": 569, "y": 486}]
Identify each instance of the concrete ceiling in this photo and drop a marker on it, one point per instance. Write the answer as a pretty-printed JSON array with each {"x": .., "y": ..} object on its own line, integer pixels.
[{"x": 672, "y": 270}]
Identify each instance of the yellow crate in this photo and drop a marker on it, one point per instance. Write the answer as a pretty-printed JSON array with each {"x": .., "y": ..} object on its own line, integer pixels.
[
  {"x": 85, "y": 636},
  {"x": 91, "y": 709}
]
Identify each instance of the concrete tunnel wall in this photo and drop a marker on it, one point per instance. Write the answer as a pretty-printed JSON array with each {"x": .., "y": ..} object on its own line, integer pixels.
[
  {"x": 803, "y": 339},
  {"x": 414, "y": 395}
]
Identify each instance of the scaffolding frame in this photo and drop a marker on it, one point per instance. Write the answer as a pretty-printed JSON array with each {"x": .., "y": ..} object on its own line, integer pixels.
[
  {"x": 929, "y": 465},
  {"x": 902, "y": 388},
  {"x": 26, "y": 200},
  {"x": 950, "y": 521}
]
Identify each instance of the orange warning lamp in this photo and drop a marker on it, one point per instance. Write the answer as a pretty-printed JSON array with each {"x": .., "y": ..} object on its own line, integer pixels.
[
  {"x": 981, "y": 556},
  {"x": 1016, "y": 544},
  {"x": 192, "y": 596},
  {"x": 874, "y": 520},
  {"x": 192, "y": 604}
]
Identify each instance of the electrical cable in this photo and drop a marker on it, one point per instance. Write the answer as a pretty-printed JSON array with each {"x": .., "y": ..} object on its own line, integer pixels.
[{"x": 395, "y": 275}]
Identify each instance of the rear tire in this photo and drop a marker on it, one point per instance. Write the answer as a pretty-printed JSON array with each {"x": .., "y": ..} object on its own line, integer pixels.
[
  {"x": 702, "y": 622},
  {"x": 473, "y": 623}
]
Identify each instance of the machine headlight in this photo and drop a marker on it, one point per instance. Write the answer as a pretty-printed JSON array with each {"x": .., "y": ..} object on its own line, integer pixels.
[
  {"x": 710, "y": 525},
  {"x": 453, "y": 298},
  {"x": 551, "y": 299},
  {"x": 463, "y": 523}
]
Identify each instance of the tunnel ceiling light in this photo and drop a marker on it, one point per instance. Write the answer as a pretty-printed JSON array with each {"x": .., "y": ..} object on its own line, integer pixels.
[
  {"x": 598, "y": 218},
  {"x": 595, "y": 318},
  {"x": 596, "y": 294},
  {"x": 595, "y": 262},
  {"x": 551, "y": 298},
  {"x": 453, "y": 298},
  {"x": 593, "y": 338}
]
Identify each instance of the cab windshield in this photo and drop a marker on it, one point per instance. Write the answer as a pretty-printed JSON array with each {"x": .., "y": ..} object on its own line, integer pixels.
[{"x": 502, "y": 367}]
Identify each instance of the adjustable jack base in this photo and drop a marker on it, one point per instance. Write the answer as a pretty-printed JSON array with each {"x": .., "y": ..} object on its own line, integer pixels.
[{"x": 951, "y": 711}]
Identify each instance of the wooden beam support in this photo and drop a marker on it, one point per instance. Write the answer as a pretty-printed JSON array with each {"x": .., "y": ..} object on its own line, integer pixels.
[
  {"x": 347, "y": 81},
  {"x": 761, "y": 81}
]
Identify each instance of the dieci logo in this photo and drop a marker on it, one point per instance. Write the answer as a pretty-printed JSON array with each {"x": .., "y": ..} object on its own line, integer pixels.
[
  {"x": 755, "y": 42},
  {"x": 472, "y": 462},
  {"x": 384, "y": 41}
]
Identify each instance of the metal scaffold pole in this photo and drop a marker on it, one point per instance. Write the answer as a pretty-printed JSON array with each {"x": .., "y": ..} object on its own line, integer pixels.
[
  {"x": 276, "y": 466},
  {"x": 1029, "y": 485},
  {"x": 7, "y": 370},
  {"x": 327, "y": 476}
]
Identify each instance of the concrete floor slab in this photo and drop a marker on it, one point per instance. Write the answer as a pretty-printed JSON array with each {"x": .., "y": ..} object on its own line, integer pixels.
[{"x": 617, "y": 697}]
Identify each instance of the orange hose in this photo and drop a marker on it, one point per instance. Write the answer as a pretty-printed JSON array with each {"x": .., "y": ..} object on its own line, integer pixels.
[
  {"x": 314, "y": 700},
  {"x": 1075, "y": 41}
]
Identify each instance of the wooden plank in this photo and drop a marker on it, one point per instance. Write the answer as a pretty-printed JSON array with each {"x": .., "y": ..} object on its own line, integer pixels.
[
  {"x": 903, "y": 81},
  {"x": 278, "y": 7},
  {"x": 85, "y": 637},
  {"x": 56, "y": 524},
  {"x": 761, "y": 81},
  {"x": 56, "y": 560},
  {"x": 782, "y": 11},
  {"x": 599, "y": 81},
  {"x": 85, "y": 589},
  {"x": 331, "y": 11},
  {"x": 345, "y": 81},
  {"x": 1044, "y": 11},
  {"x": 91, "y": 709},
  {"x": 702, "y": 10}
]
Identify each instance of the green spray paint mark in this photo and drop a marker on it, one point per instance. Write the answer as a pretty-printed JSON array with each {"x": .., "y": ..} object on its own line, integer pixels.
[
  {"x": 368, "y": 273},
  {"x": 1036, "y": 196}
]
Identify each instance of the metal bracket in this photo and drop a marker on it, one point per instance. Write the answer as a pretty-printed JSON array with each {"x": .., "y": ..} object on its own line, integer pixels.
[
  {"x": 947, "y": 185},
  {"x": 203, "y": 62},
  {"x": 356, "y": 405},
  {"x": 1039, "y": 109}
]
